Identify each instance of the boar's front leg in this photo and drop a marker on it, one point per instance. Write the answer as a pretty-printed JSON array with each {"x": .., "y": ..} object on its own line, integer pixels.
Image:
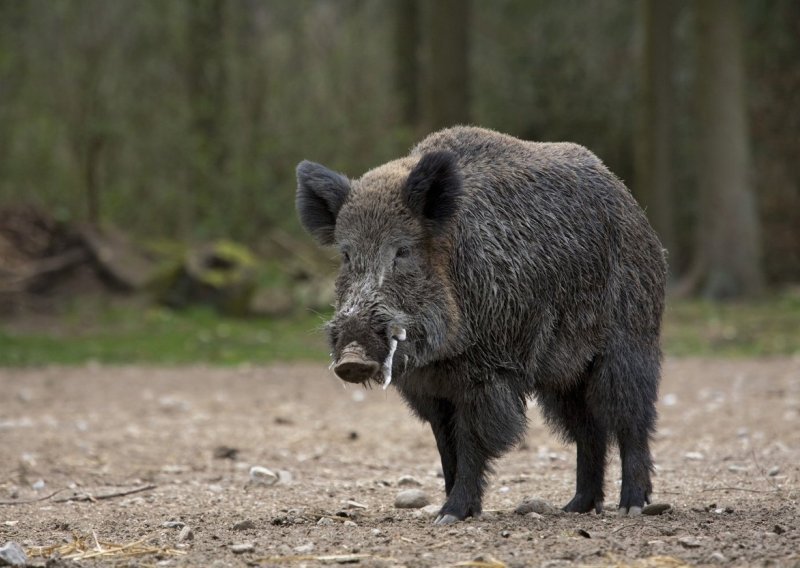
[
  {"x": 487, "y": 421},
  {"x": 439, "y": 412}
]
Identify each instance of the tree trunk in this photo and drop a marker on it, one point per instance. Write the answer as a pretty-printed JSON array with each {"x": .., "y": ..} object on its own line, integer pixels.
[
  {"x": 447, "y": 81},
  {"x": 728, "y": 231},
  {"x": 654, "y": 166},
  {"x": 407, "y": 60}
]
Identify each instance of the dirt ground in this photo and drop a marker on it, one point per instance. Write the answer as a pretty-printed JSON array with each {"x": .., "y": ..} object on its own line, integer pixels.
[{"x": 727, "y": 453}]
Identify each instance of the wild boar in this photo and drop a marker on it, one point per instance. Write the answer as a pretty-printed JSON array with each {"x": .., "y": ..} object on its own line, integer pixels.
[{"x": 482, "y": 270}]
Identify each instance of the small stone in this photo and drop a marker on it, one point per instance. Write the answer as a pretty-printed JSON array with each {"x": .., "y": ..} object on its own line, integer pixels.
[
  {"x": 505, "y": 534},
  {"x": 689, "y": 542},
  {"x": 409, "y": 481},
  {"x": 773, "y": 471},
  {"x": 694, "y": 456},
  {"x": 349, "y": 524},
  {"x": 430, "y": 510},
  {"x": 305, "y": 548},
  {"x": 325, "y": 522},
  {"x": 411, "y": 499},
  {"x": 185, "y": 534},
  {"x": 38, "y": 485},
  {"x": 376, "y": 532},
  {"x": 669, "y": 399},
  {"x": 243, "y": 547},
  {"x": 262, "y": 476},
  {"x": 656, "y": 542},
  {"x": 583, "y": 533},
  {"x": 173, "y": 525},
  {"x": 656, "y": 509},
  {"x": 285, "y": 477},
  {"x": 12, "y": 554},
  {"x": 532, "y": 505},
  {"x": 738, "y": 468},
  {"x": 717, "y": 556},
  {"x": 226, "y": 453},
  {"x": 350, "y": 504},
  {"x": 244, "y": 525},
  {"x": 778, "y": 529},
  {"x": 533, "y": 515}
]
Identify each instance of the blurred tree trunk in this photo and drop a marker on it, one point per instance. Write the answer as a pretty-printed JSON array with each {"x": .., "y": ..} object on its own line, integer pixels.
[
  {"x": 654, "y": 166},
  {"x": 447, "y": 79},
  {"x": 407, "y": 59},
  {"x": 728, "y": 248},
  {"x": 206, "y": 89}
]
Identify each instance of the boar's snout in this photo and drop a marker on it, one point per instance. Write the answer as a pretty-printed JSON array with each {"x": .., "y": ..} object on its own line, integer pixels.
[{"x": 354, "y": 366}]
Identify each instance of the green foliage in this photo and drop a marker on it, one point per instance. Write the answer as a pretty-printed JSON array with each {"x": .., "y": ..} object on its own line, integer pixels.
[
  {"x": 770, "y": 326},
  {"x": 159, "y": 336}
]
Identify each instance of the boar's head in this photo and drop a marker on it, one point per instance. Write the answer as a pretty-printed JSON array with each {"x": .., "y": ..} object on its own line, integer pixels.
[{"x": 393, "y": 230}]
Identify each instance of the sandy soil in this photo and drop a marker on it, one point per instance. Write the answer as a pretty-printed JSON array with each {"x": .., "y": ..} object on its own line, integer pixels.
[{"x": 727, "y": 452}]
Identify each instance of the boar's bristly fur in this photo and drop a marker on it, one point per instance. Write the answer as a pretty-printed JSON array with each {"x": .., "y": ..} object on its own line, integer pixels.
[{"x": 517, "y": 269}]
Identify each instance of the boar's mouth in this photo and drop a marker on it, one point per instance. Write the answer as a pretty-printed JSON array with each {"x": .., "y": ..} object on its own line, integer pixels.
[{"x": 354, "y": 365}]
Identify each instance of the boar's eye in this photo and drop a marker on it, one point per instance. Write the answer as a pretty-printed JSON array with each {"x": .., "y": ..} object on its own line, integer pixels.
[
  {"x": 403, "y": 252},
  {"x": 345, "y": 257}
]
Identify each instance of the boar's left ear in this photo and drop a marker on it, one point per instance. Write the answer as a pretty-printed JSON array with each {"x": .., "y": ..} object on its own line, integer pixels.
[
  {"x": 320, "y": 195},
  {"x": 433, "y": 188}
]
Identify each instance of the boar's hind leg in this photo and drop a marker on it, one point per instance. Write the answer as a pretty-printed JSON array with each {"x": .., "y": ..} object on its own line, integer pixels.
[
  {"x": 485, "y": 426},
  {"x": 627, "y": 385},
  {"x": 580, "y": 421}
]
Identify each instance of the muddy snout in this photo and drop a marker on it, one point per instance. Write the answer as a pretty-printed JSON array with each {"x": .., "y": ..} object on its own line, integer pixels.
[{"x": 354, "y": 366}]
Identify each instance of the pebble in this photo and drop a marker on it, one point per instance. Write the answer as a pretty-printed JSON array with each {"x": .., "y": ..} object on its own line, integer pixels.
[
  {"x": 324, "y": 522},
  {"x": 244, "y": 525},
  {"x": 532, "y": 505},
  {"x": 773, "y": 471},
  {"x": 717, "y": 556},
  {"x": 694, "y": 456},
  {"x": 243, "y": 547},
  {"x": 11, "y": 554},
  {"x": 411, "y": 499},
  {"x": 431, "y": 510},
  {"x": 349, "y": 524},
  {"x": 173, "y": 525},
  {"x": 689, "y": 542},
  {"x": 505, "y": 534},
  {"x": 186, "y": 534},
  {"x": 262, "y": 476},
  {"x": 656, "y": 509},
  {"x": 285, "y": 477},
  {"x": 304, "y": 548},
  {"x": 409, "y": 481},
  {"x": 350, "y": 504}
]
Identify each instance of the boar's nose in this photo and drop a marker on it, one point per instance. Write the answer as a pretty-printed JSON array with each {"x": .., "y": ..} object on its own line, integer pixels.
[{"x": 354, "y": 366}]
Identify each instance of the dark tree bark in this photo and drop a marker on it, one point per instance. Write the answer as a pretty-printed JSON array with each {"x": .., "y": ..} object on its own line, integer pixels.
[
  {"x": 729, "y": 249},
  {"x": 206, "y": 89},
  {"x": 447, "y": 77},
  {"x": 407, "y": 66},
  {"x": 655, "y": 140}
]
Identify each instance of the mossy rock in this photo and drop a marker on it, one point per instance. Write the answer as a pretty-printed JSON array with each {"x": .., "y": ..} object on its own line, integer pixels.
[{"x": 221, "y": 274}]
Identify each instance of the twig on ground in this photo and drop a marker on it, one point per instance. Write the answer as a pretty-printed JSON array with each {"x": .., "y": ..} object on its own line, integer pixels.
[
  {"x": 90, "y": 497},
  {"x": 26, "y": 501},
  {"x": 776, "y": 490}
]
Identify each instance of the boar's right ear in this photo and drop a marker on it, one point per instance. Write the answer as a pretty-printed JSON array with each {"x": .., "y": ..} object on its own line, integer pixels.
[
  {"x": 434, "y": 188},
  {"x": 320, "y": 195}
]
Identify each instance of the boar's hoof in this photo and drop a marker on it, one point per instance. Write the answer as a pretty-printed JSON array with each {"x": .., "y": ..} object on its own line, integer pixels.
[
  {"x": 353, "y": 366},
  {"x": 446, "y": 520},
  {"x": 632, "y": 511}
]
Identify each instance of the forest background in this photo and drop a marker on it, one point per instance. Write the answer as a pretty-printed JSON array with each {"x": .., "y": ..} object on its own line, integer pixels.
[{"x": 183, "y": 121}]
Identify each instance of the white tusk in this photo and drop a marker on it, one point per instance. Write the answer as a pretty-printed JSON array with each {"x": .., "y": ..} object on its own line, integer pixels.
[{"x": 387, "y": 364}]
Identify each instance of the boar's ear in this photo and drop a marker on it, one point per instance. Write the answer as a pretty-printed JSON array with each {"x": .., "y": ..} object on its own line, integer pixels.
[
  {"x": 320, "y": 194},
  {"x": 434, "y": 188}
]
